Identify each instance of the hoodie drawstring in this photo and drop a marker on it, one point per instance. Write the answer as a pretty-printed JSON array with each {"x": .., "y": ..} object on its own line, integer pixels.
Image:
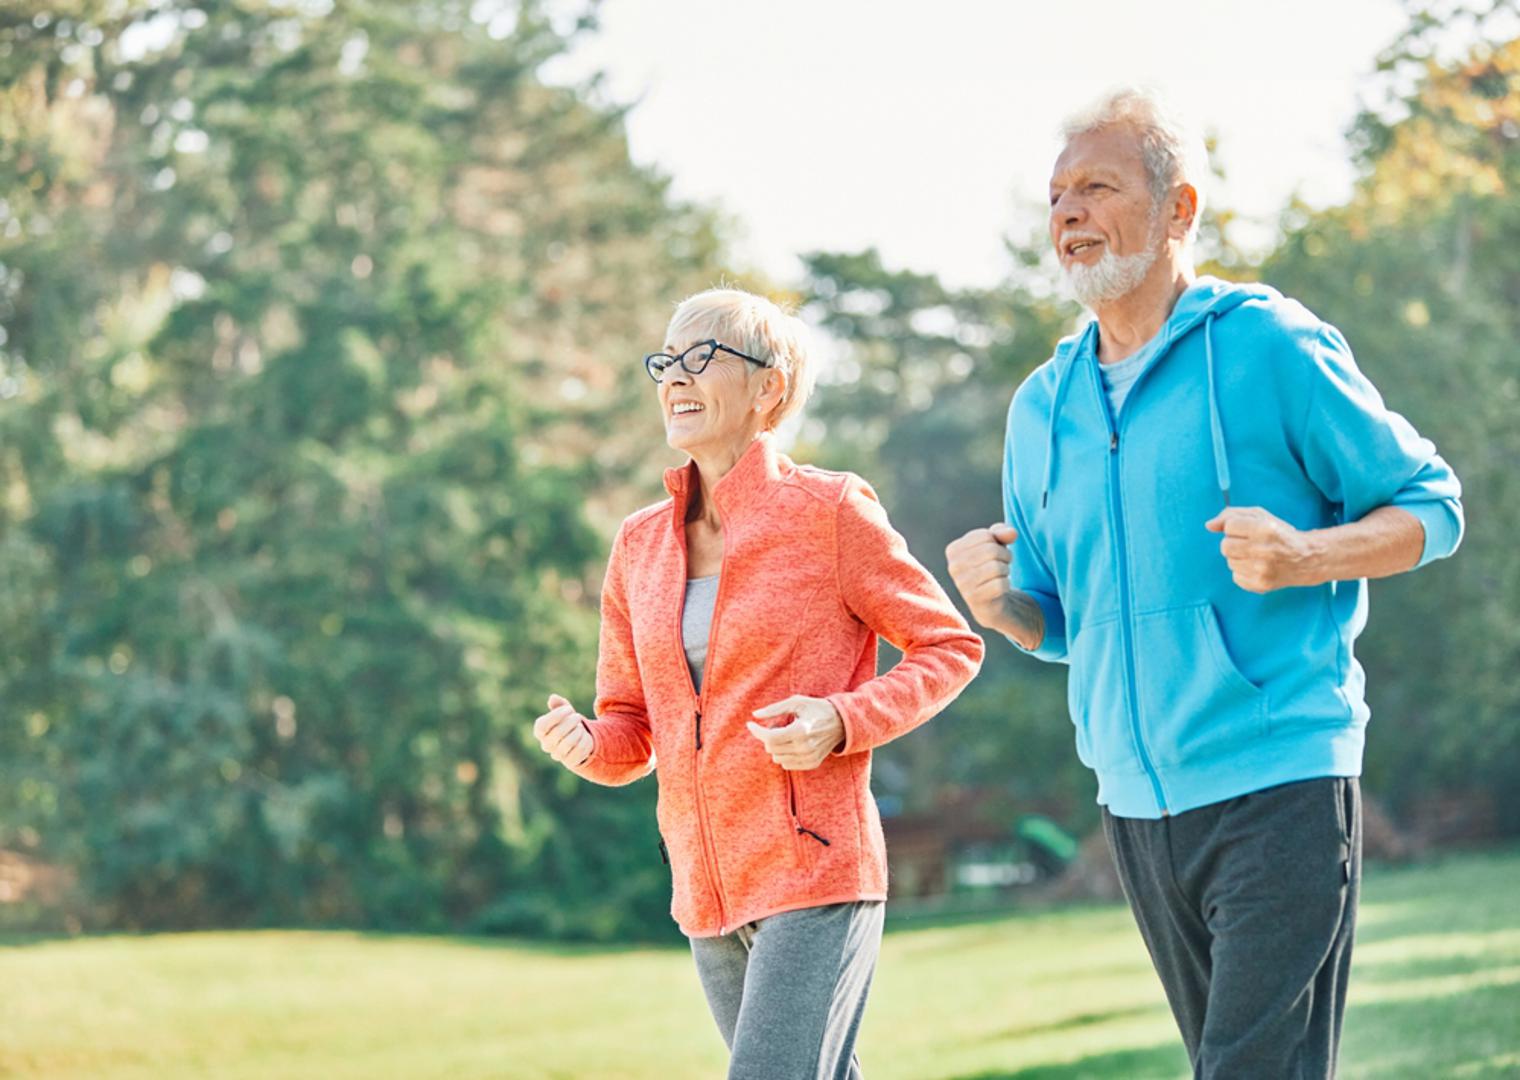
[
  {"x": 1216, "y": 425},
  {"x": 1216, "y": 428}
]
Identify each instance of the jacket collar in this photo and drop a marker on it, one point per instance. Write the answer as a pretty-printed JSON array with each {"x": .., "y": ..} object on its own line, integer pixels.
[{"x": 743, "y": 486}]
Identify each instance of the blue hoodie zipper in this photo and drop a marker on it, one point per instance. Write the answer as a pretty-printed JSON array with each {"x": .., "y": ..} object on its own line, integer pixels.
[
  {"x": 1170, "y": 332},
  {"x": 1121, "y": 547}
]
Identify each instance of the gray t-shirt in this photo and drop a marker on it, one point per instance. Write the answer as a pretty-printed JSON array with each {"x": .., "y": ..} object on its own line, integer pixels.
[
  {"x": 696, "y": 623},
  {"x": 1119, "y": 377}
]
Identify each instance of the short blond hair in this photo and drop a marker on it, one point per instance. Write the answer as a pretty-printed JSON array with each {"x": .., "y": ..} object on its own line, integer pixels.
[{"x": 756, "y": 326}]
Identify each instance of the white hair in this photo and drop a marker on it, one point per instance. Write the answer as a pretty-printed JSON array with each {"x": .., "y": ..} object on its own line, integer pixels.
[
  {"x": 1112, "y": 276},
  {"x": 755, "y": 326},
  {"x": 1172, "y": 148}
]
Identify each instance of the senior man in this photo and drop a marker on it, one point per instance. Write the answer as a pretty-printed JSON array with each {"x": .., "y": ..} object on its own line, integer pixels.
[{"x": 1196, "y": 487}]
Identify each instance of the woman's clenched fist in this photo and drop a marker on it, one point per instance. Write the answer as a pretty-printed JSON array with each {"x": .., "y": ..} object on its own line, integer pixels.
[{"x": 563, "y": 734}]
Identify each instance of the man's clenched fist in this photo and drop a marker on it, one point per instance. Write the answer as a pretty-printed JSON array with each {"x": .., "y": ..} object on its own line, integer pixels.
[
  {"x": 1264, "y": 552},
  {"x": 979, "y": 563}
]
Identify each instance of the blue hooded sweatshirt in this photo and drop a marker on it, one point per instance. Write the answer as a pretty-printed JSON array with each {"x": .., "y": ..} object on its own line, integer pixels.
[{"x": 1186, "y": 689}]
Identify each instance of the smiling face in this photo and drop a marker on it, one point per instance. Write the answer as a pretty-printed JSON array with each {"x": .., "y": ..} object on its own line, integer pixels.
[
  {"x": 720, "y": 410},
  {"x": 1104, "y": 221}
]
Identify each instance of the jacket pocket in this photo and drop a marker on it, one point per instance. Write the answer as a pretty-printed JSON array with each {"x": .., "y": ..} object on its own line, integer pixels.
[
  {"x": 1194, "y": 702},
  {"x": 1095, "y": 694},
  {"x": 806, "y": 842}
]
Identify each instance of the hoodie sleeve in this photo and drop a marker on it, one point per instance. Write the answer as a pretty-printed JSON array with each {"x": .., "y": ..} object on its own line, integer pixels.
[
  {"x": 1362, "y": 455},
  {"x": 622, "y": 750},
  {"x": 890, "y": 591},
  {"x": 1028, "y": 572}
]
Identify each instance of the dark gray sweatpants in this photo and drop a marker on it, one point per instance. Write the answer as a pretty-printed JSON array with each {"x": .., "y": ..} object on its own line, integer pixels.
[
  {"x": 788, "y": 991},
  {"x": 1248, "y": 909}
]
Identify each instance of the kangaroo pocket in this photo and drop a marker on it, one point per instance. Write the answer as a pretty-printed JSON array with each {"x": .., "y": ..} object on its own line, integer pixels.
[
  {"x": 1095, "y": 694},
  {"x": 1194, "y": 702}
]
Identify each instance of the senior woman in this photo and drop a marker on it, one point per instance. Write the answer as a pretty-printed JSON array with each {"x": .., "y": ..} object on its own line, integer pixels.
[{"x": 738, "y": 649}]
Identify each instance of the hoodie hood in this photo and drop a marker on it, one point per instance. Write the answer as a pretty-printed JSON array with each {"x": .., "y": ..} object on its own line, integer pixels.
[{"x": 1203, "y": 301}]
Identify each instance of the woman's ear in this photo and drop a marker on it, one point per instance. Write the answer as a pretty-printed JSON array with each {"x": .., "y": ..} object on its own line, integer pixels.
[{"x": 773, "y": 393}]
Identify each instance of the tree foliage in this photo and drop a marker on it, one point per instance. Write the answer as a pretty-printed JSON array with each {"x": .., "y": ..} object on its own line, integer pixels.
[
  {"x": 308, "y": 321},
  {"x": 1421, "y": 269},
  {"x": 319, "y": 400},
  {"x": 917, "y": 403}
]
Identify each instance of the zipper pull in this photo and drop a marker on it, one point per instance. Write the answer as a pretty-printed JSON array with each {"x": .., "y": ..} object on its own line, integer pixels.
[
  {"x": 801, "y": 831},
  {"x": 1113, "y": 442},
  {"x": 699, "y": 729}
]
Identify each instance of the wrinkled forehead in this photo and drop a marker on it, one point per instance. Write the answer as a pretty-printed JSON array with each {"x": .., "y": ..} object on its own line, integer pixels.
[{"x": 1112, "y": 151}]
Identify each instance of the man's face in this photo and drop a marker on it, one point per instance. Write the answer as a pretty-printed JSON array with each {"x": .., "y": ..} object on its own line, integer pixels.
[{"x": 1103, "y": 221}]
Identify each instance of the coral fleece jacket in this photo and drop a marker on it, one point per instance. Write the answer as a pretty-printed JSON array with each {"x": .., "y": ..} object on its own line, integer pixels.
[{"x": 812, "y": 574}]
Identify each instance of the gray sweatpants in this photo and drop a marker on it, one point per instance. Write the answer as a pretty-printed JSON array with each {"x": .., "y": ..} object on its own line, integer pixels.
[
  {"x": 1248, "y": 909},
  {"x": 788, "y": 991}
]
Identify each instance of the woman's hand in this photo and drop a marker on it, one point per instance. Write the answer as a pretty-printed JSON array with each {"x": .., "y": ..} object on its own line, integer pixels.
[
  {"x": 563, "y": 734},
  {"x": 815, "y": 732}
]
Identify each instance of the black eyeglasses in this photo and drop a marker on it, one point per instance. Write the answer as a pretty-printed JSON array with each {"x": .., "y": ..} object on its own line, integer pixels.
[{"x": 693, "y": 360}]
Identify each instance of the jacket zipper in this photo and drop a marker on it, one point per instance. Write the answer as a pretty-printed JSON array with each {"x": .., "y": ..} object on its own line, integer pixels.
[
  {"x": 802, "y": 830},
  {"x": 709, "y": 856},
  {"x": 1121, "y": 546}
]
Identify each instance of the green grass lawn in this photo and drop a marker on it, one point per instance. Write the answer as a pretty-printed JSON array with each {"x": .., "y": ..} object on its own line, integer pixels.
[{"x": 1048, "y": 996}]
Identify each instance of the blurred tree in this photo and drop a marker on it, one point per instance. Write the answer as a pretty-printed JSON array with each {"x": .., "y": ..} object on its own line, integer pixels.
[
  {"x": 916, "y": 402},
  {"x": 319, "y": 381},
  {"x": 1421, "y": 269},
  {"x": 319, "y": 327}
]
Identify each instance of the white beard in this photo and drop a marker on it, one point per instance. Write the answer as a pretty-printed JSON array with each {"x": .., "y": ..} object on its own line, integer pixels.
[{"x": 1111, "y": 277}]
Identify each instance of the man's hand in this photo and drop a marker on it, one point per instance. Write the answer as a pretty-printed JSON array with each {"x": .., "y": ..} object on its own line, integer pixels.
[
  {"x": 815, "y": 732},
  {"x": 979, "y": 564},
  {"x": 563, "y": 734},
  {"x": 1264, "y": 552}
]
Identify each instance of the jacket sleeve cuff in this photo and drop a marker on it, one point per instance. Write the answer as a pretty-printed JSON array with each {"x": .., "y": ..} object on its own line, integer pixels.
[
  {"x": 845, "y": 708},
  {"x": 1052, "y": 646},
  {"x": 1442, "y": 525},
  {"x": 614, "y": 772},
  {"x": 842, "y": 708}
]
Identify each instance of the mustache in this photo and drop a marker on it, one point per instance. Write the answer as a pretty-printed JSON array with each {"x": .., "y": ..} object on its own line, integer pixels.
[{"x": 1070, "y": 238}]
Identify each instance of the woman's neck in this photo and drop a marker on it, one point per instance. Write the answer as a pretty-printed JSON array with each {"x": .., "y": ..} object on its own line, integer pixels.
[{"x": 712, "y": 466}]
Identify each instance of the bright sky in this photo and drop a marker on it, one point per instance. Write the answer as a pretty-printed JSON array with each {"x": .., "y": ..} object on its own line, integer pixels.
[{"x": 928, "y": 129}]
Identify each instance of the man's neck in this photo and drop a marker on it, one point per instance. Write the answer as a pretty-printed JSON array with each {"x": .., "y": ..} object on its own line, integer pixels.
[{"x": 1126, "y": 324}]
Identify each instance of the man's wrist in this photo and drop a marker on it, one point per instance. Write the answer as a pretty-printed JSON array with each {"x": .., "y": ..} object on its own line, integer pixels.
[
  {"x": 1023, "y": 621},
  {"x": 1315, "y": 565}
]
